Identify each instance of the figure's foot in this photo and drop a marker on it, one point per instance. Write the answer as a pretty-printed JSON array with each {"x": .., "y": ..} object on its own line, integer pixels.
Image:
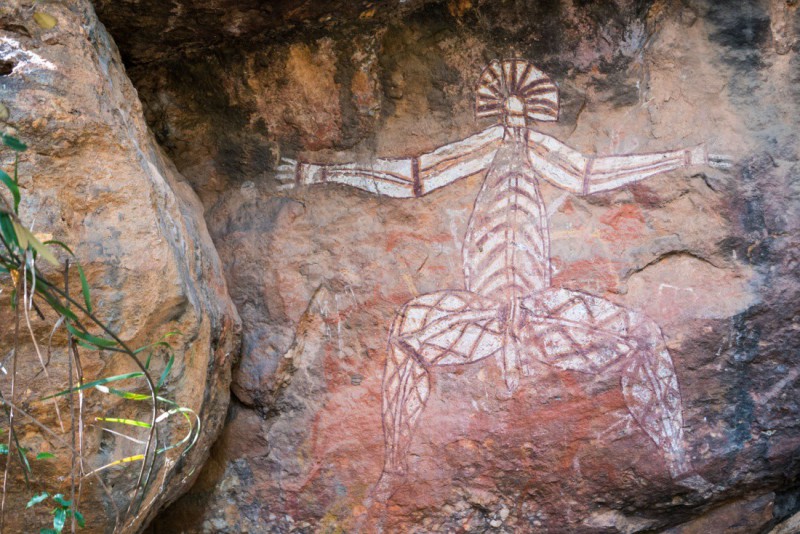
[
  {"x": 372, "y": 513},
  {"x": 371, "y": 521},
  {"x": 382, "y": 490}
]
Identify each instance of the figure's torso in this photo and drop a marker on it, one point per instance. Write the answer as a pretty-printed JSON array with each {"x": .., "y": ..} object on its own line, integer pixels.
[{"x": 506, "y": 250}]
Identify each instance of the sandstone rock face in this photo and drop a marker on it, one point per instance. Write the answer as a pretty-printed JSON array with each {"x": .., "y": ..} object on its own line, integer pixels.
[
  {"x": 319, "y": 272},
  {"x": 95, "y": 178}
]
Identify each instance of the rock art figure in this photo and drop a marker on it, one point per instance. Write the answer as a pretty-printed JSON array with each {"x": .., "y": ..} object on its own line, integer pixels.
[{"x": 508, "y": 309}]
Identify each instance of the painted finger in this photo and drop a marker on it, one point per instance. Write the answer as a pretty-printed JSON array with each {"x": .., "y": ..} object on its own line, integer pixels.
[{"x": 720, "y": 161}]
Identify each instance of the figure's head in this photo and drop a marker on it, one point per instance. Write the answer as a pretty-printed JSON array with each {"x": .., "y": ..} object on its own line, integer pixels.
[{"x": 516, "y": 91}]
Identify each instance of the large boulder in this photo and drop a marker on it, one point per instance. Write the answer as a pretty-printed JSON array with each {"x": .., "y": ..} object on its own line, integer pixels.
[{"x": 95, "y": 178}]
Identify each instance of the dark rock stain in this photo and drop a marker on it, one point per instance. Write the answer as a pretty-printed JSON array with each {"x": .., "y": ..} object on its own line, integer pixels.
[
  {"x": 751, "y": 208},
  {"x": 787, "y": 503},
  {"x": 741, "y": 29},
  {"x": 742, "y": 26},
  {"x": 257, "y": 215},
  {"x": 739, "y": 411},
  {"x": 353, "y": 129}
]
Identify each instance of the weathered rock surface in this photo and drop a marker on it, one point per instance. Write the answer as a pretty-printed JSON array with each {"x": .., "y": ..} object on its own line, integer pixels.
[
  {"x": 318, "y": 273},
  {"x": 95, "y": 178}
]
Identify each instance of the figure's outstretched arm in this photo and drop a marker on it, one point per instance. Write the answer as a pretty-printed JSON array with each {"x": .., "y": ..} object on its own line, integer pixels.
[
  {"x": 405, "y": 177},
  {"x": 567, "y": 168}
]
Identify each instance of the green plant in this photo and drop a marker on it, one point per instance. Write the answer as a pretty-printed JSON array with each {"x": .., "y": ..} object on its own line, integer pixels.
[
  {"x": 44, "y": 295},
  {"x": 62, "y": 511}
]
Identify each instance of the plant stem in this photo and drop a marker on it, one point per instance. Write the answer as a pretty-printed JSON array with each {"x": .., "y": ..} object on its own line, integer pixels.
[
  {"x": 10, "y": 442},
  {"x": 71, "y": 410},
  {"x": 147, "y": 465}
]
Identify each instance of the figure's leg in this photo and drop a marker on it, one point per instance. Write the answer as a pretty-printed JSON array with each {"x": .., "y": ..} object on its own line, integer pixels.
[
  {"x": 650, "y": 388},
  {"x": 442, "y": 328},
  {"x": 580, "y": 332},
  {"x": 406, "y": 387}
]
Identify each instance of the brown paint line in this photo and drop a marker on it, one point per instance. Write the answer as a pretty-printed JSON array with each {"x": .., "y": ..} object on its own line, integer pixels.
[
  {"x": 537, "y": 90},
  {"x": 536, "y": 84},
  {"x": 534, "y": 103},
  {"x": 382, "y": 176},
  {"x": 415, "y": 177},
  {"x": 525, "y": 73},
  {"x": 449, "y": 162},
  {"x": 586, "y": 173},
  {"x": 452, "y": 161},
  {"x": 633, "y": 175},
  {"x": 513, "y": 70},
  {"x": 670, "y": 163}
]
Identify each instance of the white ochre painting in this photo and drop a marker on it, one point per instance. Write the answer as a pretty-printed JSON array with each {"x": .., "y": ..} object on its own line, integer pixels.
[{"x": 508, "y": 312}]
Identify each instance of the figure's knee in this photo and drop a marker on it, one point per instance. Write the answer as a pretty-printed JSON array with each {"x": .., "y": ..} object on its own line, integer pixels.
[
  {"x": 408, "y": 356},
  {"x": 419, "y": 311},
  {"x": 646, "y": 332}
]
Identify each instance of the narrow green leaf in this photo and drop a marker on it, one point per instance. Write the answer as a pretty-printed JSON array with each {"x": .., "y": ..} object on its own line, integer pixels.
[
  {"x": 172, "y": 333},
  {"x": 12, "y": 185},
  {"x": 123, "y": 394},
  {"x": 59, "y": 498},
  {"x": 129, "y": 459},
  {"x": 14, "y": 144},
  {"x": 150, "y": 346},
  {"x": 26, "y": 239},
  {"x": 47, "y": 531},
  {"x": 59, "y": 519},
  {"x": 94, "y": 383},
  {"x": 89, "y": 338},
  {"x": 22, "y": 234},
  {"x": 59, "y": 244},
  {"x": 24, "y": 459},
  {"x": 42, "y": 249},
  {"x": 79, "y": 519},
  {"x": 147, "y": 363},
  {"x": 56, "y": 305},
  {"x": 36, "y": 499},
  {"x": 7, "y": 228},
  {"x": 130, "y": 422},
  {"x": 45, "y": 456},
  {"x": 167, "y": 369},
  {"x": 85, "y": 287},
  {"x": 159, "y": 343}
]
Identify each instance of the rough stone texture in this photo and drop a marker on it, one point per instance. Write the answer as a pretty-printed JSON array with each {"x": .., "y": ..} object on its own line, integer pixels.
[
  {"x": 789, "y": 526},
  {"x": 95, "y": 178},
  {"x": 318, "y": 273}
]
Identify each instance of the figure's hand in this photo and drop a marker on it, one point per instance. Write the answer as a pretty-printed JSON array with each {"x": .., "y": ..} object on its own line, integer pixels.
[
  {"x": 720, "y": 161},
  {"x": 287, "y": 173},
  {"x": 699, "y": 155}
]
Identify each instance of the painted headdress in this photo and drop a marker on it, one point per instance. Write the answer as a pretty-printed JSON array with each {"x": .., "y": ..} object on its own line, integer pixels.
[{"x": 516, "y": 91}]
